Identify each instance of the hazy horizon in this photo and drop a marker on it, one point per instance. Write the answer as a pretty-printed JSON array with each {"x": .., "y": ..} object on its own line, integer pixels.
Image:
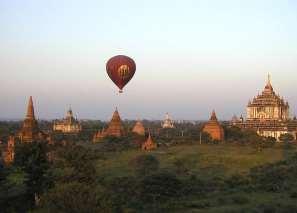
[{"x": 191, "y": 56}]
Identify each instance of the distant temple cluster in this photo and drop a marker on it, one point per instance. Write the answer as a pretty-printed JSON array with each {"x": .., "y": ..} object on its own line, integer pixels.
[
  {"x": 116, "y": 129},
  {"x": 268, "y": 115}
]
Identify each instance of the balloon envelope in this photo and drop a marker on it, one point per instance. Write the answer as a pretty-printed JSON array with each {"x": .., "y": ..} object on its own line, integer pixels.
[{"x": 121, "y": 70}]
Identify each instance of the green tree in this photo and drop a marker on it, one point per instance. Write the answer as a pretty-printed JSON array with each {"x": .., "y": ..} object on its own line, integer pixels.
[
  {"x": 159, "y": 187},
  {"x": 32, "y": 159},
  {"x": 72, "y": 197}
]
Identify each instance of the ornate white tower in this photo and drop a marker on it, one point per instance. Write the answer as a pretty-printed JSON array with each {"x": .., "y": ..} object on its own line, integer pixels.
[{"x": 167, "y": 123}]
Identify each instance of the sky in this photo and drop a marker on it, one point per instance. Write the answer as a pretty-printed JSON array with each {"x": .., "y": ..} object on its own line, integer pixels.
[{"x": 192, "y": 56}]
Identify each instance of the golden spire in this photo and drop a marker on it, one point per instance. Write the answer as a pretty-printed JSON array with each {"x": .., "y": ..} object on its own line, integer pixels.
[{"x": 30, "y": 109}]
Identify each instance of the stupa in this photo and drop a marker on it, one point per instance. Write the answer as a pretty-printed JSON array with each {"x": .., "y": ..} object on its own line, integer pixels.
[
  {"x": 115, "y": 128},
  {"x": 139, "y": 128},
  {"x": 167, "y": 123},
  {"x": 149, "y": 144},
  {"x": 213, "y": 128}
]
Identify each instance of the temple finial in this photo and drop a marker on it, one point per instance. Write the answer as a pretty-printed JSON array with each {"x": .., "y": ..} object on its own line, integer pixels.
[
  {"x": 213, "y": 115},
  {"x": 269, "y": 79}
]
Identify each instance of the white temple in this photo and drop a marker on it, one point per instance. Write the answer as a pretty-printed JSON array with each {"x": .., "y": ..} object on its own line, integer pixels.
[
  {"x": 67, "y": 125},
  {"x": 168, "y": 122}
]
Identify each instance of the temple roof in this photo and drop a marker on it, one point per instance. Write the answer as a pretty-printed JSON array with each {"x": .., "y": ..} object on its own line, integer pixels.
[
  {"x": 115, "y": 116},
  {"x": 213, "y": 121},
  {"x": 268, "y": 89},
  {"x": 267, "y": 97},
  {"x": 69, "y": 119}
]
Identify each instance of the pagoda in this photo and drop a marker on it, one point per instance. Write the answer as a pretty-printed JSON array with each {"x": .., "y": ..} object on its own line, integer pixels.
[
  {"x": 213, "y": 128},
  {"x": 30, "y": 130},
  {"x": 115, "y": 128},
  {"x": 167, "y": 123},
  {"x": 149, "y": 144},
  {"x": 268, "y": 114},
  {"x": 139, "y": 128},
  {"x": 68, "y": 125}
]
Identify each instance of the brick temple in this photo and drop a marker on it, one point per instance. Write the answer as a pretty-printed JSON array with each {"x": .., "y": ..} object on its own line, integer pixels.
[
  {"x": 30, "y": 130},
  {"x": 115, "y": 128},
  {"x": 214, "y": 128},
  {"x": 268, "y": 114}
]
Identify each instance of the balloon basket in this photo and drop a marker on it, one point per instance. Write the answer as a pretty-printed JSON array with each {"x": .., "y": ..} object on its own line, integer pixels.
[{"x": 120, "y": 91}]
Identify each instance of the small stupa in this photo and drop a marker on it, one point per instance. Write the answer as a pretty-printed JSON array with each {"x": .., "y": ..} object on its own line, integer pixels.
[
  {"x": 213, "y": 128},
  {"x": 149, "y": 144},
  {"x": 168, "y": 122},
  {"x": 139, "y": 128}
]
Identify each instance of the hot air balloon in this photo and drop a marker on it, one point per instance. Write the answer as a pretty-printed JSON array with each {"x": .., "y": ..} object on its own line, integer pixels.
[{"x": 120, "y": 70}]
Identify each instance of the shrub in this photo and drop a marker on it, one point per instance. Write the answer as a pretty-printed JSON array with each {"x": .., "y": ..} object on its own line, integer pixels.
[
  {"x": 240, "y": 199},
  {"x": 145, "y": 164},
  {"x": 159, "y": 187}
]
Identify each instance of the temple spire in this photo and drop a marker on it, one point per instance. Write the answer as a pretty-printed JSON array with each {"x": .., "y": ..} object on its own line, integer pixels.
[
  {"x": 268, "y": 88},
  {"x": 30, "y": 109},
  {"x": 213, "y": 116}
]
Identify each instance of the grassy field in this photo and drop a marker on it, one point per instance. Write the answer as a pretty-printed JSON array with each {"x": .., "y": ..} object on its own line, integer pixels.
[
  {"x": 202, "y": 160},
  {"x": 208, "y": 162}
]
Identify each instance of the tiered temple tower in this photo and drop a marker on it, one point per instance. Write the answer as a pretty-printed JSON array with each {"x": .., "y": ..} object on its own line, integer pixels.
[
  {"x": 115, "y": 128},
  {"x": 139, "y": 128},
  {"x": 268, "y": 106},
  {"x": 268, "y": 115},
  {"x": 30, "y": 130},
  {"x": 213, "y": 128},
  {"x": 68, "y": 125}
]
